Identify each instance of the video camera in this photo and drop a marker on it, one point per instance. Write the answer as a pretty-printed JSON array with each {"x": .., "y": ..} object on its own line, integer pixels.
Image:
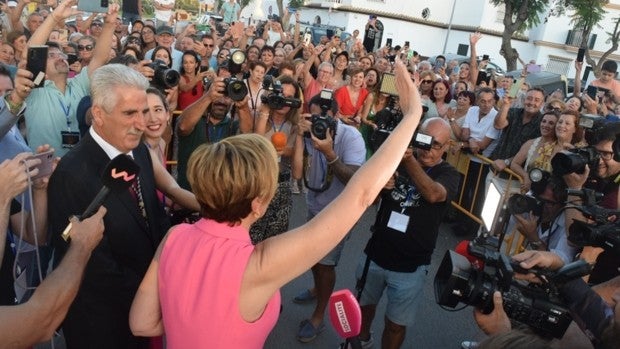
[
  {"x": 525, "y": 203},
  {"x": 275, "y": 98},
  {"x": 601, "y": 233},
  {"x": 164, "y": 78},
  {"x": 386, "y": 121},
  {"x": 538, "y": 306},
  {"x": 322, "y": 123},
  {"x": 575, "y": 160}
]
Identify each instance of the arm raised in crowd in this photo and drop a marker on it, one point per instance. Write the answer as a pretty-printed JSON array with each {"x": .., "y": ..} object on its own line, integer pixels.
[
  {"x": 102, "y": 47},
  {"x": 192, "y": 114},
  {"x": 473, "y": 61},
  {"x": 58, "y": 16},
  {"x": 16, "y": 15}
]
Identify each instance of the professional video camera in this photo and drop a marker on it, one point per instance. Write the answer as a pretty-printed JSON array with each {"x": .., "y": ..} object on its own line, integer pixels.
[
  {"x": 321, "y": 124},
  {"x": 275, "y": 98},
  {"x": 473, "y": 283},
  {"x": 164, "y": 77},
  {"x": 524, "y": 203},
  {"x": 602, "y": 232}
]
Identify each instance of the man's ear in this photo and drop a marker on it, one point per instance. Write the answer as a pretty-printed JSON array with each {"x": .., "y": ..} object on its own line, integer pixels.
[{"x": 97, "y": 115}]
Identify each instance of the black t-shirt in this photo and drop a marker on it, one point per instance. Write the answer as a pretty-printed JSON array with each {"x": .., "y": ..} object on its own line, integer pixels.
[
  {"x": 130, "y": 6},
  {"x": 395, "y": 250},
  {"x": 7, "y": 292},
  {"x": 607, "y": 264},
  {"x": 516, "y": 133}
]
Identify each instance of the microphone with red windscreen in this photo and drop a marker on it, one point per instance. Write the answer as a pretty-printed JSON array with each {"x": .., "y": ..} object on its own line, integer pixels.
[
  {"x": 345, "y": 315},
  {"x": 118, "y": 175}
]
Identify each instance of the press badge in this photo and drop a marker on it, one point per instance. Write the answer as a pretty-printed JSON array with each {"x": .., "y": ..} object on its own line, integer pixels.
[
  {"x": 398, "y": 221},
  {"x": 69, "y": 138}
]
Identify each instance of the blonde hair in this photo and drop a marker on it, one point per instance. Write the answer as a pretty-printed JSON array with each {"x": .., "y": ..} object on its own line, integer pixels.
[{"x": 228, "y": 175}]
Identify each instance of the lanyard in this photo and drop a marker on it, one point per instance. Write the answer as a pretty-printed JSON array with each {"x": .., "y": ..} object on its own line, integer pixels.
[
  {"x": 66, "y": 109},
  {"x": 275, "y": 128}
]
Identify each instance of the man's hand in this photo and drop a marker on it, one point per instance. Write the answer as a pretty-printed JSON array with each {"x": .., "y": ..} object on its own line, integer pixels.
[
  {"x": 64, "y": 10},
  {"x": 23, "y": 84},
  {"x": 216, "y": 90},
  {"x": 14, "y": 178},
  {"x": 112, "y": 15},
  {"x": 527, "y": 225},
  {"x": 474, "y": 38},
  {"x": 144, "y": 69},
  {"x": 499, "y": 164},
  {"x": 41, "y": 183},
  {"x": 495, "y": 322},
  {"x": 87, "y": 233},
  {"x": 325, "y": 146},
  {"x": 576, "y": 180},
  {"x": 541, "y": 259},
  {"x": 474, "y": 147}
]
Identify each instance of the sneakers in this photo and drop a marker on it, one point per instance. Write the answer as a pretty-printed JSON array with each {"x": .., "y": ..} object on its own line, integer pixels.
[
  {"x": 469, "y": 345},
  {"x": 365, "y": 344},
  {"x": 295, "y": 188},
  {"x": 304, "y": 297},
  {"x": 307, "y": 332}
]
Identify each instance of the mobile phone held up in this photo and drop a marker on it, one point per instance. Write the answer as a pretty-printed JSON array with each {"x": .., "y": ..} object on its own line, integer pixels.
[
  {"x": 580, "y": 54},
  {"x": 36, "y": 63},
  {"x": 46, "y": 165},
  {"x": 97, "y": 6}
]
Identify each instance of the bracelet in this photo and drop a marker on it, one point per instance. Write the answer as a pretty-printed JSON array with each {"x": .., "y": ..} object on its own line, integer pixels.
[
  {"x": 329, "y": 163},
  {"x": 14, "y": 108}
]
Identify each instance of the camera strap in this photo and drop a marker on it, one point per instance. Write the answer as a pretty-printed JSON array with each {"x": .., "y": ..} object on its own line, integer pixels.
[{"x": 327, "y": 177}]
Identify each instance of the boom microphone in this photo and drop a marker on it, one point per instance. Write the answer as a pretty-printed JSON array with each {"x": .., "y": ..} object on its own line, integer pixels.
[{"x": 118, "y": 175}]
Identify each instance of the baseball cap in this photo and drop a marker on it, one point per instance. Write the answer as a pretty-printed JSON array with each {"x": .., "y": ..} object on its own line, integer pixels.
[{"x": 164, "y": 29}]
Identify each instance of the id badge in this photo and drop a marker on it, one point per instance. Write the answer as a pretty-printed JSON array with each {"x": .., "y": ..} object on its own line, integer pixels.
[
  {"x": 398, "y": 221},
  {"x": 69, "y": 139}
]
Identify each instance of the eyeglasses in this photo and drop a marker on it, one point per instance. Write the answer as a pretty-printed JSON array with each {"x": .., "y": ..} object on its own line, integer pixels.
[
  {"x": 208, "y": 45},
  {"x": 437, "y": 146},
  {"x": 85, "y": 47},
  {"x": 606, "y": 155},
  {"x": 133, "y": 40},
  {"x": 554, "y": 109},
  {"x": 57, "y": 54},
  {"x": 427, "y": 81},
  {"x": 96, "y": 24},
  {"x": 222, "y": 56}
]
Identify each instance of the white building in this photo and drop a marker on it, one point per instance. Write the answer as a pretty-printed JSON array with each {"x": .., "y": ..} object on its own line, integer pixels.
[{"x": 440, "y": 26}]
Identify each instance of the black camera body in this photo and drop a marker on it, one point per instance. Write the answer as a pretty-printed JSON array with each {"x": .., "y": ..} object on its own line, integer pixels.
[
  {"x": 538, "y": 306},
  {"x": 575, "y": 161},
  {"x": 233, "y": 88},
  {"x": 163, "y": 78},
  {"x": 386, "y": 121},
  {"x": 520, "y": 203},
  {"x": 600, "y": 233},
  {"x": 275, "y": 98},
  {"x": 323, "y": 123}
]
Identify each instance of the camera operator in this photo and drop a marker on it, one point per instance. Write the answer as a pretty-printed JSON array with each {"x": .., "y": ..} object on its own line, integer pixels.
[
  {"x": 546, "y": 229},
  {"x": 206, "y": 121},
  {"x": 607, "y": 265},
  {"x": 331, "y": 159},
  {"x": 405, "y": 231},
  {"x": 592, "y": 310}
]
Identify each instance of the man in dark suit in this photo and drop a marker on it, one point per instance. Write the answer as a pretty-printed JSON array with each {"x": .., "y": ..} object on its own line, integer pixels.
[{"x": 98, "y": 318}]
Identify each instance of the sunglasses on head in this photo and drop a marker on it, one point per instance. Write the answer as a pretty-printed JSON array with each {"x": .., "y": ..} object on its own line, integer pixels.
[{"x": 85, "y": 47}]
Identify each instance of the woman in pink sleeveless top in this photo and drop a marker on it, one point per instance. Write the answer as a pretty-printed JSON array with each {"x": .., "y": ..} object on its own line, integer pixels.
[{"x": 208, "y": 286}]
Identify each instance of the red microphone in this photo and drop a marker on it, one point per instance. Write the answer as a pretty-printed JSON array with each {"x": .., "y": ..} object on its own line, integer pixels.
[
  {"x": 345, "y": 314},
  {"x": 462, "y": 248}
]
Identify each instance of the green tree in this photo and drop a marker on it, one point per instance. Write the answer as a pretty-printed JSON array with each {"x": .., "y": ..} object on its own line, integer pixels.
[
  {"x": 242, "y": 4},
  {"x": 519, "y": 16}
]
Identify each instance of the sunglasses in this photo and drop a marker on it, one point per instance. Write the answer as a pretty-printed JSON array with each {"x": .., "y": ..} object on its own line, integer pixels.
[
  {"x": 96, "y": 24},
  {"x": 207, "y": 45},
  {"x": 427, "y": 81},
  {"x": 134, "y": 40},
  {"x": 85, "y": 47}
]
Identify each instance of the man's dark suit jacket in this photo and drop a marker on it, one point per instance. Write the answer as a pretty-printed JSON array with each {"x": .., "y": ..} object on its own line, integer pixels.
[{"x": 98, "y": 318}]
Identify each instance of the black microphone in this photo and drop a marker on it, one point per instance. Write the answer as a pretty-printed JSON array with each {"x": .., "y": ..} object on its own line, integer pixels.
[{"x": 118, "y": 175}]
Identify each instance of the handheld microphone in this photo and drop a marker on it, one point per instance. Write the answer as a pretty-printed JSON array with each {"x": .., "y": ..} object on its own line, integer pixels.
[
  {"x": 118, "y": 175},
  {"x": 345, "y": 313}
]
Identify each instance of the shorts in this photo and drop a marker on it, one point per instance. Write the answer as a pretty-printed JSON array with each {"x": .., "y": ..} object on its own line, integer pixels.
[
  {"x": 404, "y": 290},
  {"x": 333, "y": 256}
]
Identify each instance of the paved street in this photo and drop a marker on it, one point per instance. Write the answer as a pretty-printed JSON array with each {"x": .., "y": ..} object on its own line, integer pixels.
[{"x": 435, "y": 327}]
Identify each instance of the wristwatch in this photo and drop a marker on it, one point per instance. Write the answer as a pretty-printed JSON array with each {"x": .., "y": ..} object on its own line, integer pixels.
[
  {"x": 451, "y": 120},
  {"x": 536, "y": 245},
  {"x": 507, "y": 162}
]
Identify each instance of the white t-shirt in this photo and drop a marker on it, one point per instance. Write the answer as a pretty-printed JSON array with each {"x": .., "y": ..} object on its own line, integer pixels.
[
  {"x": 480, "y": 128},
  {"x": 164, "y": 15}
]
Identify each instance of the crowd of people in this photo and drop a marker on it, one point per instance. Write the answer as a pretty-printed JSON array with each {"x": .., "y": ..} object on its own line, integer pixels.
[{"x": 263, "y": 114}]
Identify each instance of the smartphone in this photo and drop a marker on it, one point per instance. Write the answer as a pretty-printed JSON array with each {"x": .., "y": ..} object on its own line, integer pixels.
[
  {"x": 485, "y": 57},
  {"x": 72, "y": 58},
  {"x": 98, "y": 6},
  {"x": 64, "y": 35},
  {"x": 592, "y": 91},
  {"x": 580, "y": 54},
  {"x": 307, "y": 39},
  {"x": 456, "y": 70},
  {"x": 388, "y": 84},
  {"x": 46, "y": 165},
  {"x": 514, "y": 89},
  {"x": 292, "y": 10},
  {"x": 36, "y": 63},
  {"x": 407, "y": 43},
  {"x": 388, "y": 42}
]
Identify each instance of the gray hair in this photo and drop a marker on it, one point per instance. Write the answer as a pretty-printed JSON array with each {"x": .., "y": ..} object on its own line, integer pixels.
[
  {"x": 105, "y": 79},
  {"x": 326, "y": 64},
  {"x": 425, "y": 65},
  {"x": 426, "y": 123}
]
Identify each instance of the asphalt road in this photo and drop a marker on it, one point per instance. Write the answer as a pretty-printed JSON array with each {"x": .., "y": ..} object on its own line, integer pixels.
[{"x": 434, "y": 327}]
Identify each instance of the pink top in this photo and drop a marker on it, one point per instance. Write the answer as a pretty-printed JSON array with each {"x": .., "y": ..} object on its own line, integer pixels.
[{"x": 200, "y": 272}]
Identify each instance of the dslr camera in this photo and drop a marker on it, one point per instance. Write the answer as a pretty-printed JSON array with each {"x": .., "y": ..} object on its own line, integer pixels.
[
  {"x": 164, "y": 77},
  {"x": 386, "y": 121},
  {"x": 524, "y": 203},
  {"x": 539, "y": 306},
  {"x": 323, "y": 123},
  {"x": 575, "y": 161},
  {"x": 601, "y": 233},
  {"x": 233, "y": 88},
  {"x": 275, "y": 98}
]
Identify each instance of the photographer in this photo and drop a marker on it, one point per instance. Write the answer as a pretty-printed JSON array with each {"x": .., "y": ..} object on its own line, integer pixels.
[
  {"x": 399, "y": 252},
  {"x": 279, "y": 124},
  {"x": 607, "y": 265},
  {"x": 330, "y": 158},
  {"x": 206, "y": 121},
  {"x": 546, "y": 229}
]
